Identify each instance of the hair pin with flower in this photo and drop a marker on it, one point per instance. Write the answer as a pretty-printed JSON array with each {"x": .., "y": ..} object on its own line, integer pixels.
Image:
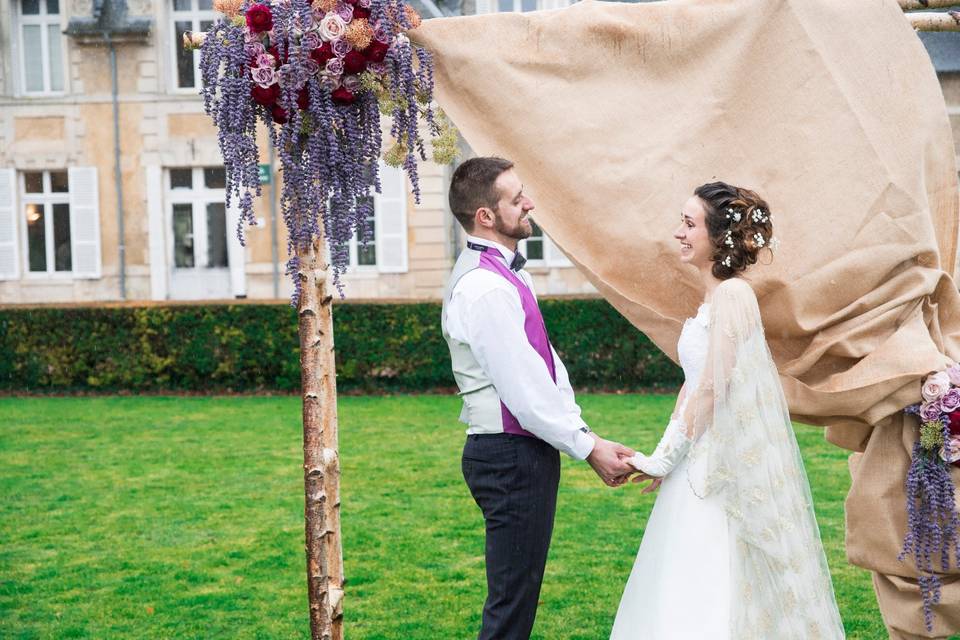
[
  {"x": 729, "y": 239},
  {"x": 733, "y": 214},
  {"x": 759, "y": 215}
]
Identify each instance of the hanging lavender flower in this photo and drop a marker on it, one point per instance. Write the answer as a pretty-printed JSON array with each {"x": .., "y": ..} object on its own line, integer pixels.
[
  {"x": 933, "y": 525},
  {"x": 318, "y": 74}
]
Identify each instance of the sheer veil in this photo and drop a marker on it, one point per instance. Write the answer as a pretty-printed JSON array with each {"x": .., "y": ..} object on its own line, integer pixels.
[{"x": 745, "y": 452}]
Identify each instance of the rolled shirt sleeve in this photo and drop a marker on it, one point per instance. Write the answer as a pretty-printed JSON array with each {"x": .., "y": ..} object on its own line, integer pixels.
[{"x": 546, "y": 409}]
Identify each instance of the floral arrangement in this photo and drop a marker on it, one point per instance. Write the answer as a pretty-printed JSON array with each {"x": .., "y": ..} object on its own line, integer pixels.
[
  {"x": 933, "y": 525},
  {"x": 319, "y": 74}
]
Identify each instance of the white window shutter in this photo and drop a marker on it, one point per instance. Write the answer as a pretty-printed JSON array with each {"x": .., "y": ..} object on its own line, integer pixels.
[
  {"x": 9, "y": 261},
  {"x": 85, "y": 221},
  {"x": 484, "y": 6},
  {"x": 156, "y": 228},
  {"x": 235, "y": 251},
  {"x": 391, "y": 221}
]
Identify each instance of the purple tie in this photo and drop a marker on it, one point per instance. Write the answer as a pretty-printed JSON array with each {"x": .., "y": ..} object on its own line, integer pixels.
[{"x": 533, "y": 326}]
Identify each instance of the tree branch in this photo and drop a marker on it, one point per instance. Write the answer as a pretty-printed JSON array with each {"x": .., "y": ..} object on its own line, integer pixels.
[
  {"x": 935, "y": 21},
  {"x": 913, "y": 5}
]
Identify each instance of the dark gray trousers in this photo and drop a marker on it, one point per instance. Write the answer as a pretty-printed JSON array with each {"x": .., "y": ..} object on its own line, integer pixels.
[{"x": 514, "y": 481}]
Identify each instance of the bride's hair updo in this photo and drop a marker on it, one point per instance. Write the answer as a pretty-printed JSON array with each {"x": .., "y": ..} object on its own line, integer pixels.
[{"x": 739, "y": 225}]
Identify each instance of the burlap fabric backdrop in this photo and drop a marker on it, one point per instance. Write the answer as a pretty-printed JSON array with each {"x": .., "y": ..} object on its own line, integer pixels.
[{"x": 614, "y": 112}]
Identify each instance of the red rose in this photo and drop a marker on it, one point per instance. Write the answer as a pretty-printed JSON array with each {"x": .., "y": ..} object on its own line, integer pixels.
[
  {"x": 351, "y": 2},
  {"x": 259, "y": 18},
  {"x": 377, "y": 51},
  {"x": 360, "y": 12},
  {"x": 343, "y": 96},
  {"x": 322, "y": 53},
  {"x": 354, "y": 62},
  {"x": 279, "y": 114},
  {"x": 276, "y": 56},
  {"x": 267, "y": 96},
  {"x": 303, "y": 99},
  {"x": 955, "y": 423}
]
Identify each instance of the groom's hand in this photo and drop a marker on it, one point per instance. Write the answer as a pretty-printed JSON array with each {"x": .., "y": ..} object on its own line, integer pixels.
[{"x": 609, "y": 460}]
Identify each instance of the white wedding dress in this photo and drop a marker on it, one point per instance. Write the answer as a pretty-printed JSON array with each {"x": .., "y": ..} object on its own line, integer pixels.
[{"x": 731, "y": 549}]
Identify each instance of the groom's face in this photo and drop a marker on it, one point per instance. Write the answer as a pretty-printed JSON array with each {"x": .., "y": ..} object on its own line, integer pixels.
[{"x": 512, "y": 217}]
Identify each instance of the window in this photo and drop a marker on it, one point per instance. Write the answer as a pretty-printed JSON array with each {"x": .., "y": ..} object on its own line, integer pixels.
[
  {"x": 41, "y": 46},
  {"x": 540, "y": 251},
  {"x": 46, "y": 209},
  {"x": 363, "y": 244},
  {"x": 516, "y": 5},
  {"x": 199, "y": 217},
  {"x": 188, "y": 15}
]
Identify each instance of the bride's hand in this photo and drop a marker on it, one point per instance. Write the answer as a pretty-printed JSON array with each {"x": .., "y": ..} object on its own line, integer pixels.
[{"x": 653, "y": 486}]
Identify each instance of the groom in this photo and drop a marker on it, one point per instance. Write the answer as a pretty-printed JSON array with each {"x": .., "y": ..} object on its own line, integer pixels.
[{"x": 517, "y": 399}]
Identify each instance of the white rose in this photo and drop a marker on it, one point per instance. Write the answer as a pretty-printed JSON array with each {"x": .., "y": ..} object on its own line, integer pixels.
[
  {"x": 332, "y": 27},
  {"x": 935, "y": 386}
]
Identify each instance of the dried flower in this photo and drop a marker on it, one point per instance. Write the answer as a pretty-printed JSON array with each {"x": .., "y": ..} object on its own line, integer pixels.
[
  {"x": 931, "y": 434},
  {"x": 193, "y": 40},
  {"x": 359, "y": 34},
  {"x": 229, "y": 8}
]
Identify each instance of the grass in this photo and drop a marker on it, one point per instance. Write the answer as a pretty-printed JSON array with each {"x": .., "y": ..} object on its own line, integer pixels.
[{"x": 182, "y": 518}]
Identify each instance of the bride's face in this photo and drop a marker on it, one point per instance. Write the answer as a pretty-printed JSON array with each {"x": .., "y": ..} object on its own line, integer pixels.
[{"x": 695, "y": 245}]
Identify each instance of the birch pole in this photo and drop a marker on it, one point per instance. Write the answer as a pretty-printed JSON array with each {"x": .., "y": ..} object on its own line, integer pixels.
[
  {"x": 321, "y": 464},
  {"x": 922, "y": 20}
]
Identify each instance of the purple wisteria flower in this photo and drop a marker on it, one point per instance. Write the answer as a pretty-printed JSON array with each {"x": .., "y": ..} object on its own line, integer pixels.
[
  {"x": 933, "y": 524},
  {"x": 327, "y": 135}
]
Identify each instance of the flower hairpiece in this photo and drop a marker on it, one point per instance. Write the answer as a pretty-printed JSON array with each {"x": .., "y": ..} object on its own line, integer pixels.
[
  {"x": 759, "y": 239},
  {"x": 729, "y": 239},
  {"x": 733, "y": 214},
  {"x": 726, "y": 262},
  {"x": 759, "y": 215},
  {"x": 774, "y": 243}
]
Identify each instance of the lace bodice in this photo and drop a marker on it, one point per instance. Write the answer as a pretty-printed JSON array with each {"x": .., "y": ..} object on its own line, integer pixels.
[{"x": 692, "y": 347}]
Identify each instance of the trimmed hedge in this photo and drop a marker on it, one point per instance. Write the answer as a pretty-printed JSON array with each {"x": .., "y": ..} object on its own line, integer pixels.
[{"x": 254, "y": 347}]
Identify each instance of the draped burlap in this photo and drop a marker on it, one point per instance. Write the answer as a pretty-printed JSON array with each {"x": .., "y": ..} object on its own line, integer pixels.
[{"x": 614, "y": 112}]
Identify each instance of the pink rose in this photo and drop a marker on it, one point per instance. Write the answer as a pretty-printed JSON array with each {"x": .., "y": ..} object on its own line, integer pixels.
[
  {"x": 381, "y": 33},
  {"x": 930, "y": 411},
  {"x": 332, "y": 27},
  {"x": 259, "y": 18},
  {"x": 352, "y": 83},
  {"x": 950, "y": 451},
  {"x": 264, "y": 76},
  {"x": 265, "y": 60},
  {"x": 254, "y": 49},
  {"x": 335, "y": 66},
  {"x": 378, "y": 68},
  {"x": 950, "y": 401},
  {"x": 345, "y": 11},
  {"x": 364, "y": 3},
  {"x": 340, "y": 48},
  {"x": 935, "y": 386},
  {"x": 310, "y": 40},
  {"x": 953, "y": 374},
  {"x": 329, "y": 82}
]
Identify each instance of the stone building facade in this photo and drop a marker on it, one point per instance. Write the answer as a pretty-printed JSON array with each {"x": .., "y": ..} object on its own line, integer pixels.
[{"x": 71, "y": 231}]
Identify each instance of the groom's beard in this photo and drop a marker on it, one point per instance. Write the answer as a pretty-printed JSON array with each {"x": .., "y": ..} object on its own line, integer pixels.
[{"x": 518, "y": 231}]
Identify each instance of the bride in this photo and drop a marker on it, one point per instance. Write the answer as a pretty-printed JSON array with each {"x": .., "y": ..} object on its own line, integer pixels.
[{"x": 732, "y": 548}]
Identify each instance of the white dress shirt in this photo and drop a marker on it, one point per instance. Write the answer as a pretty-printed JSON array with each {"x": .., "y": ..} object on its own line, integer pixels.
[{"x": 485, "y": 312}]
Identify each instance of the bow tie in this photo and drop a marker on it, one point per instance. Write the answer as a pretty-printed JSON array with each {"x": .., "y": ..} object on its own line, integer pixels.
[{"x": 515, "y": 265}]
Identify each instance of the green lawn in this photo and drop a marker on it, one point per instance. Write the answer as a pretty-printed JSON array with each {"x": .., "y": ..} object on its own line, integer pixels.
[{"x": 182, "y": 518}]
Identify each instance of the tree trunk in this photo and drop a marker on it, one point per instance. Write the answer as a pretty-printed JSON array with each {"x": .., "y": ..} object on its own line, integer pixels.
[
  {"x": 935, "y": 21},
  {"x": 914, "y": 5},
  {"x": 321, "y": 466}
]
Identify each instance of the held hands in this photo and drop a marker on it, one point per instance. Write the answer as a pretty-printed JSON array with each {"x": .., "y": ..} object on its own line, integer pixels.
[{"x": 609, "y": 460}]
